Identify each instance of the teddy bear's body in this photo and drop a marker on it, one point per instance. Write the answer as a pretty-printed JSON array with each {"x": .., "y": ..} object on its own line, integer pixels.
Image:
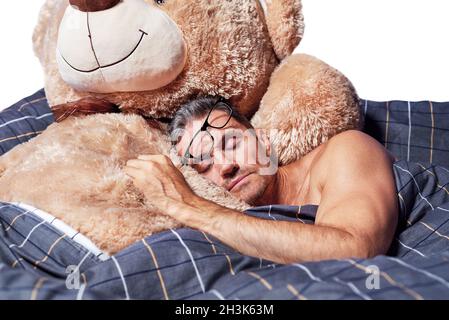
[
  {"x": 229, "y": 48},
  {"x": 74, "y": 171}
]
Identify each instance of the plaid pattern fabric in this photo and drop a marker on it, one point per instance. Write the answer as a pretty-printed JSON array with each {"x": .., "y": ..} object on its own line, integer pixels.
[
  {"x": 24, "y": 120},
  {"x": 412, "y": 131},
  {"x": 189, "y": 264},
  {"x": 34, "y": 256}
]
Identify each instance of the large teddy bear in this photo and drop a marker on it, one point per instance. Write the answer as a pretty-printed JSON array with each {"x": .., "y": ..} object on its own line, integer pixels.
[{"x": 145, "y": 59}]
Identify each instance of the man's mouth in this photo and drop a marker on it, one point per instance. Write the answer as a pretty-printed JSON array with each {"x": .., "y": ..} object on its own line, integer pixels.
[{"x": 237, "y": 181}]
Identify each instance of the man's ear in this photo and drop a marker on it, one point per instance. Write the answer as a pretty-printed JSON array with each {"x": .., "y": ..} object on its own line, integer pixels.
[{"x": 285, "y": 24}]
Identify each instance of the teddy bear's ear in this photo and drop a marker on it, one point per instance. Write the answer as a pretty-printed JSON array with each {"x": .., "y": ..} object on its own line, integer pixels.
[
  {"x": 46, "y": 30},
  {"x": 285, "y": 24},
  {"x": 44, "y": 41}
]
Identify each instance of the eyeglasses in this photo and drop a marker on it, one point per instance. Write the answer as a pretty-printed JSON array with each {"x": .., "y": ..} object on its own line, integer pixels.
[{"x": 202, "y": 144}]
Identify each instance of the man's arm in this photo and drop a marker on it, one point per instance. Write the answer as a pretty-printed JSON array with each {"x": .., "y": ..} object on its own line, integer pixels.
[
  {"x": 278, "y": 241},
  {"x": 359, "y": 194},
  {"x": 356, "y": 218}
]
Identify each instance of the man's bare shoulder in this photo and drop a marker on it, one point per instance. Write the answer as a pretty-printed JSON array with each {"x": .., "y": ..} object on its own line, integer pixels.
[{"x": 351, "y": 150}]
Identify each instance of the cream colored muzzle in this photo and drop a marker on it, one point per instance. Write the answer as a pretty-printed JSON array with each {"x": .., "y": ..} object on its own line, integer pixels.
[{"x": 132, "y": 46}]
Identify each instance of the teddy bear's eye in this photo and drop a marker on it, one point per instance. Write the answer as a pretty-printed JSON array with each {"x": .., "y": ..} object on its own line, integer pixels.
[{"x": 159, "y": 2}]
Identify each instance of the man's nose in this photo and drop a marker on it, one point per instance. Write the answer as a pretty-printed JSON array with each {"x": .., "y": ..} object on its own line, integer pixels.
[
  {"x": 93, "y": 5},
  {"x": 228, "y": 170}
]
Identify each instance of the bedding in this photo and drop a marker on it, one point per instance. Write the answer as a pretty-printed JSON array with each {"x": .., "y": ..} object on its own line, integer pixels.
[
  {"x": 24, "y": 120},
  {"x": 41, "y": 259},
  {"x": 188, "y": 264},
  {"x": 412, "y": 131}
]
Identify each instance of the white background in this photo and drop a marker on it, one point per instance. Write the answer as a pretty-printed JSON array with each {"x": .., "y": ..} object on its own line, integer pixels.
[
  {"x": 20, "y": 71},
  {"x": 390, "y": 49}
]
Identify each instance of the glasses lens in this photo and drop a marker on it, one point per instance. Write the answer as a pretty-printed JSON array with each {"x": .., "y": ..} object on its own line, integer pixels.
[
  {"x": 219, "y": 116},
  {"x": 202, "y": 146}
]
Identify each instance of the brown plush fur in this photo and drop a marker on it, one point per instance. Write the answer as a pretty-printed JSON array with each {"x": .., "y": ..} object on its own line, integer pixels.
[
  {"x": 74, "y": 171},
  {"x": 285, "y": 24},
  {"x": 307, "y": 103},
  {"x": 230, "y": 54}
]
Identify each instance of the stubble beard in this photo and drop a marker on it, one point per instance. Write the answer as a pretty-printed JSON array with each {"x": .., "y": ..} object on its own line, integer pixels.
[{"x": 253, "y": 194}]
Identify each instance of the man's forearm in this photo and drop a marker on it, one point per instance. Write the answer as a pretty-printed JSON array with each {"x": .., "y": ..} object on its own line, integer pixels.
[{"x": 278, "y": 241}]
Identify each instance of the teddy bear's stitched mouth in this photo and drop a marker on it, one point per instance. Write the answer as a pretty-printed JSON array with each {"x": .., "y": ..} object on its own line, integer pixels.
[{"x": 143, "y": 34}]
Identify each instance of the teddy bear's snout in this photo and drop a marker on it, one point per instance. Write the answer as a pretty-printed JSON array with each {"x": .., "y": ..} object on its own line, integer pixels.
[
  {"x": 109, "y": 46},
  {"x": 93, "y": 5}
]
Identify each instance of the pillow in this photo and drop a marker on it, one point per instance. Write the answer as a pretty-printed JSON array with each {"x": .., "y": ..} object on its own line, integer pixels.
[
  {"x": 24, "y": 120},
  {"x": 412, "y": 131}
]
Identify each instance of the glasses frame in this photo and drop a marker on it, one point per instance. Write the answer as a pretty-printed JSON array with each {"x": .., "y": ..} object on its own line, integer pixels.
[{"x": 187, "y": 155}]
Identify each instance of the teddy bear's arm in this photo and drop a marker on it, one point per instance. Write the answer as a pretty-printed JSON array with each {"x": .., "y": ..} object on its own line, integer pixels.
[
  {"x": 84, "y": 106},
  {"x": 306, "y": 104}
]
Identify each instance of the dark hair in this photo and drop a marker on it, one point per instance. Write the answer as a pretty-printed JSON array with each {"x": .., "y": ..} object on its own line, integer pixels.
[{"x": 198, "y": 108}]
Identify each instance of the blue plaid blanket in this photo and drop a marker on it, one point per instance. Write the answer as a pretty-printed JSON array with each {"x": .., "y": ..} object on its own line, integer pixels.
[
  {"x": 412, "y": 131},
  {"x": 39, "y": 261}
]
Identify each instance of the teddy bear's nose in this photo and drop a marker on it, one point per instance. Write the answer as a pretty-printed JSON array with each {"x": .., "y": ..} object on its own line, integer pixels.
[{"x": 93, "y": 5}]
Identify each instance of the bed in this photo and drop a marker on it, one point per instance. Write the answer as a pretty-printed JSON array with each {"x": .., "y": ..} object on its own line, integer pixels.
[{"x": 41, "y": 258}]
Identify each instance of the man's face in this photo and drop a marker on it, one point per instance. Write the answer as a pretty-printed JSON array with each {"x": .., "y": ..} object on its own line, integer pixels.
[{"x": 234, "y": 159}]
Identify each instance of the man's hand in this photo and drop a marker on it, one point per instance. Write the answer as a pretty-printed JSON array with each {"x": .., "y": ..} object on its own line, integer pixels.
[{"x": 161, "y": 182}]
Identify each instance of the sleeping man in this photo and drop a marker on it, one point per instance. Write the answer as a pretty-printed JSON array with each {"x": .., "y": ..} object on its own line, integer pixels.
[{"x": 350, "y": 178}]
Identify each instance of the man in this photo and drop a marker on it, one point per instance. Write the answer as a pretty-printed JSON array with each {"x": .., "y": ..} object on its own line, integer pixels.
[{"x": 350, "y": 177}]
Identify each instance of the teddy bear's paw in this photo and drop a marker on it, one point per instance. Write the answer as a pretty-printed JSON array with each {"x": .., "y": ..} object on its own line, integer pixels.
[
  {"x": 210, "y": 191},
  {"x": 82, "y": 107}
]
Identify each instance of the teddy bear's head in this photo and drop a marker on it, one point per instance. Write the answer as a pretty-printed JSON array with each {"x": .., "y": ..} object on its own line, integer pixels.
[{"x": 151, "y": 56}]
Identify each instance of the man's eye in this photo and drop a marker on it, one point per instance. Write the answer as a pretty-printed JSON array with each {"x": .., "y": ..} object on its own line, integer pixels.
[
  {"x": 232, "y": 143},
  {"x": 203, "y": 167}
]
